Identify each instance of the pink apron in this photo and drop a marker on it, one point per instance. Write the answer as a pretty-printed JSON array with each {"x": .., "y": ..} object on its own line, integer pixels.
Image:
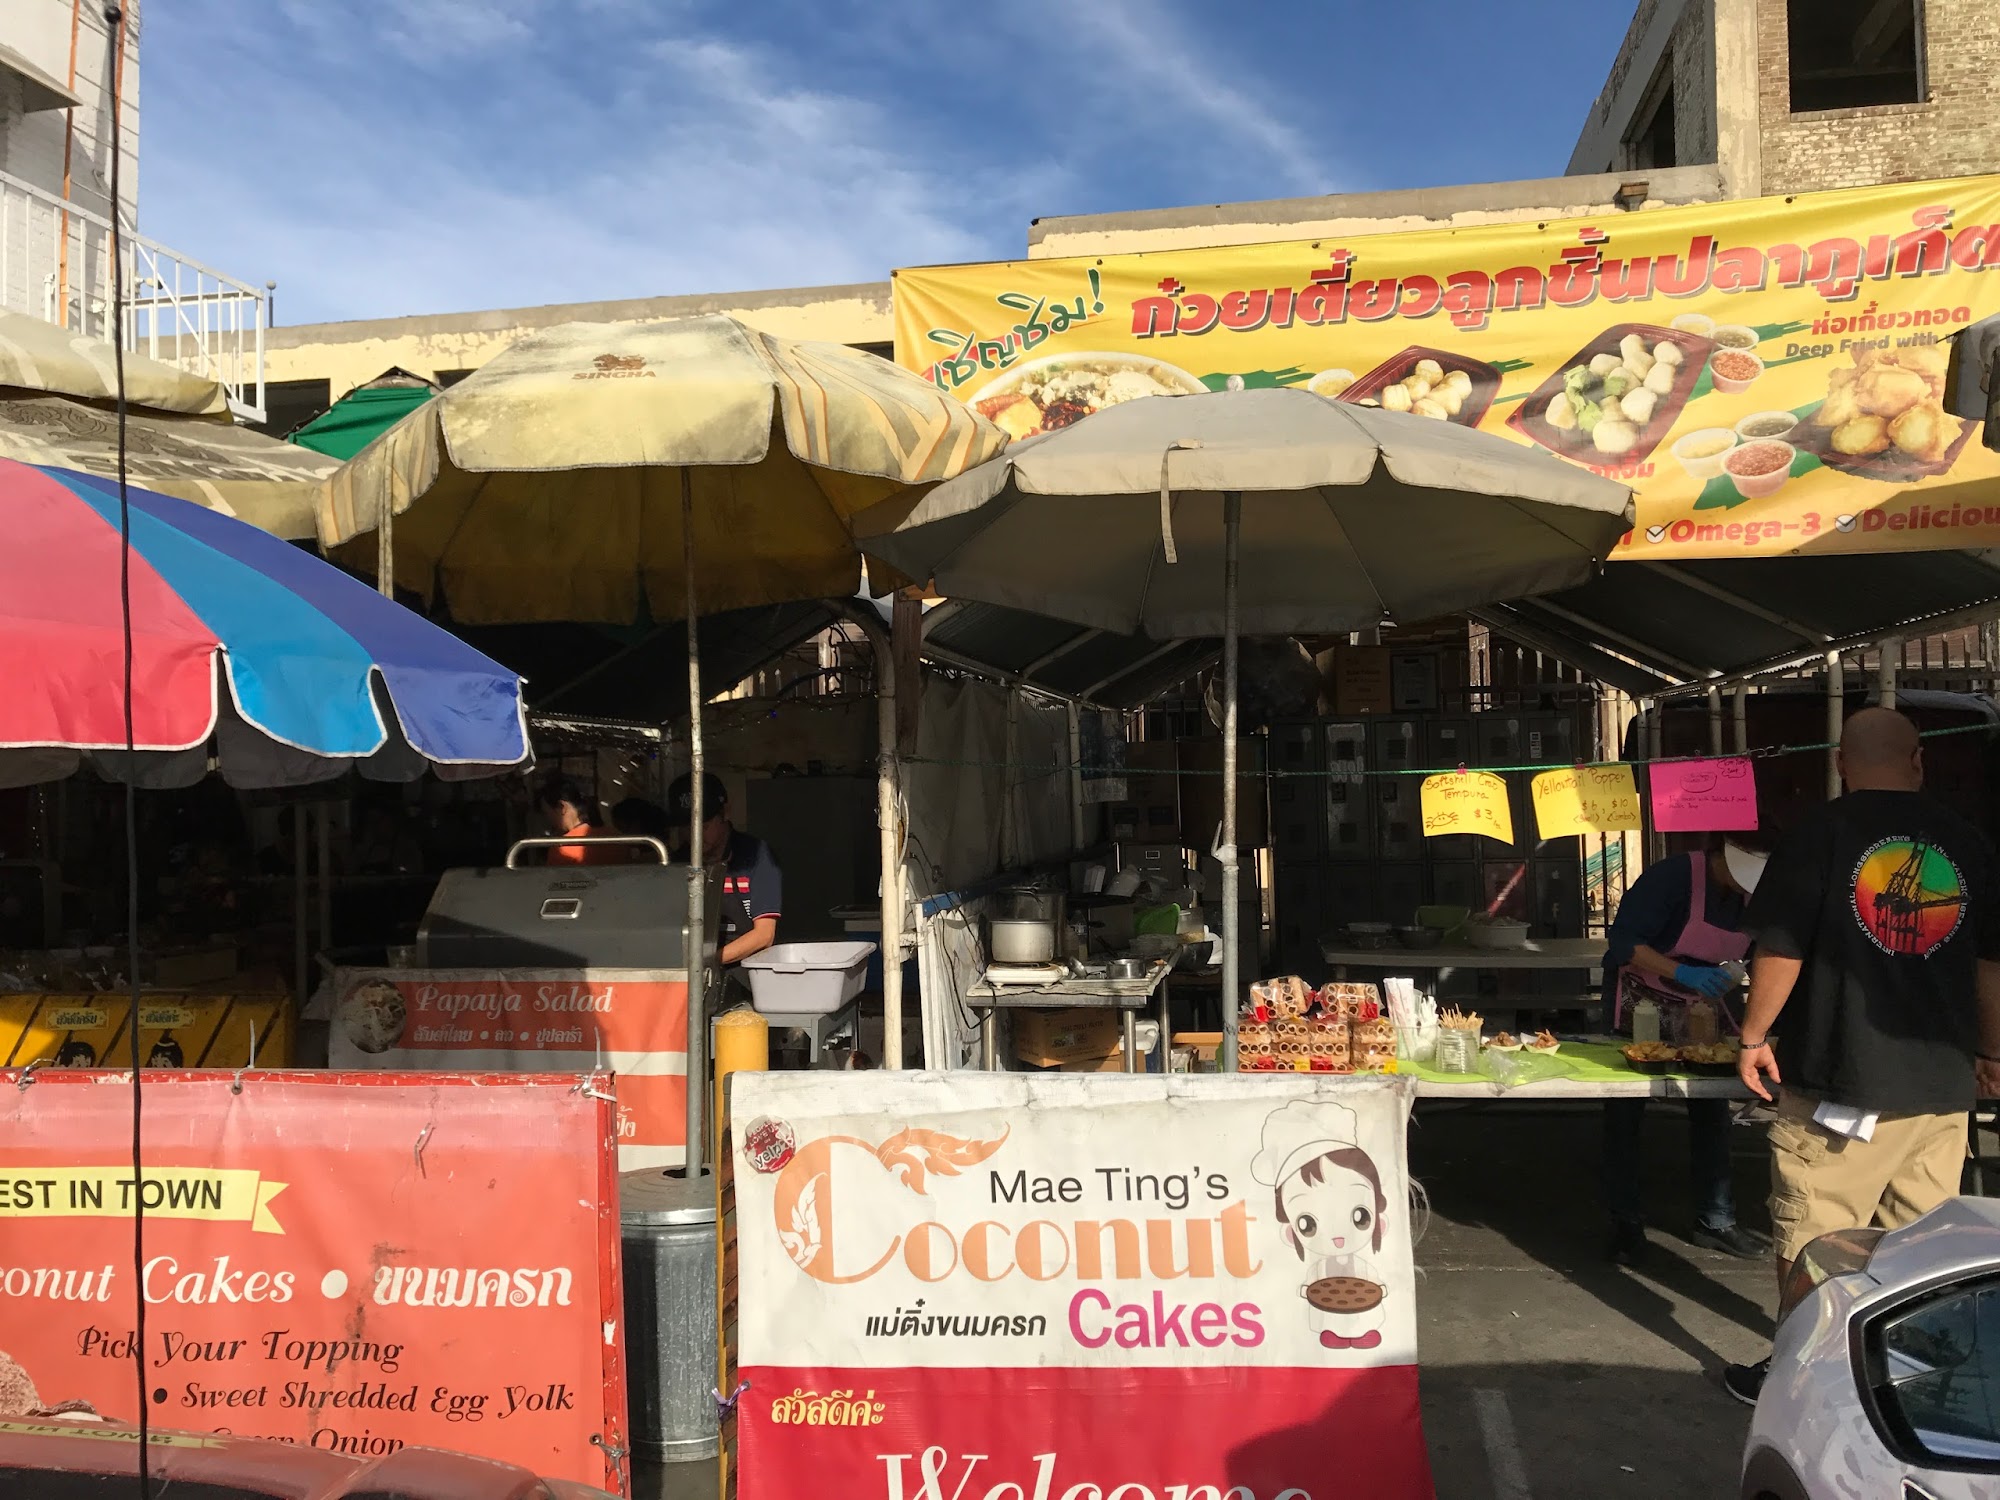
[{"x": 1701, "y": 942}]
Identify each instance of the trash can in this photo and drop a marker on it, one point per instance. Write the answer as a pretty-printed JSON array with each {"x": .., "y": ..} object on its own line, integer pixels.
[{"x": 668, "y": 1227}]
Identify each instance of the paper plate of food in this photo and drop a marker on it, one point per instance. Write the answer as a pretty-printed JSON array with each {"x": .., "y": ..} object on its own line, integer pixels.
[
  {"x": 1504, "y": 1041},
  {"x": 1545, "y": 1043}
]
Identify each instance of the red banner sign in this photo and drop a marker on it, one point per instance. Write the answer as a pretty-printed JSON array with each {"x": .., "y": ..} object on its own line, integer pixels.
[
  {"x": 350, "y": 1262},
  {"x": 632, "y": 1022}
]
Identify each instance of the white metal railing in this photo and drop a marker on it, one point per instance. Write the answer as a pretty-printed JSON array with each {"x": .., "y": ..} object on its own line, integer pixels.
[{"x": 55, "y": 264}]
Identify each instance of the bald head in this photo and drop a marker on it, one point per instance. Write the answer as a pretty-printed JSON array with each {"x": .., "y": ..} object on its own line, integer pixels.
[{"x": 1880, "y": 752}]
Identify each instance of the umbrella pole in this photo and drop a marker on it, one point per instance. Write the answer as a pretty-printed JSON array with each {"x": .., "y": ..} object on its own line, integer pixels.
[
  {"x": 697, "y": 957},
  {"x": 1232, "y": 937}
]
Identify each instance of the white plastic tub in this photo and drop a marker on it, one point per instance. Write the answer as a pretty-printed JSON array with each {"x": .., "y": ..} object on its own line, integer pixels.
[{"x": 806, "y": 979}]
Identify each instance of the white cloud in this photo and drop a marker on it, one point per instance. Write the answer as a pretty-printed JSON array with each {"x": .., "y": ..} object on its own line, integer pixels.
[{"x": 460, "y": 154}]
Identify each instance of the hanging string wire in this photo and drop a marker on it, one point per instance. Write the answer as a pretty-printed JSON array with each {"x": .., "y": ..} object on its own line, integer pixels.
[
  {"x": 114, "y": 22},
  {"x": 1026, "y": 771}
]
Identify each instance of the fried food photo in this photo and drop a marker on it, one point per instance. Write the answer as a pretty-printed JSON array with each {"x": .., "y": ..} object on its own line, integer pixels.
[
  {"x": 1861, "y": 436},
  {"x": 1922, "y": 432},
  {"x": 1890, "y": 399}
]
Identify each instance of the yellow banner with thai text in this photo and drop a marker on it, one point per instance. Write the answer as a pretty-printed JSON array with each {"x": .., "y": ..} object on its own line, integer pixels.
[
  {"x": 1769, "y": 375},
  {"x": 220, "y": 1194}
]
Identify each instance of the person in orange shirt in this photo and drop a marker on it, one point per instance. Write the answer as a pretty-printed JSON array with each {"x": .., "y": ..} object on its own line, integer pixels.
[{"x": 572, "y": 811}]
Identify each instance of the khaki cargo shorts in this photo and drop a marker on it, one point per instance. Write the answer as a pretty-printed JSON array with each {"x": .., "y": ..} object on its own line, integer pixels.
[{"x": 1821, "y": 1181}]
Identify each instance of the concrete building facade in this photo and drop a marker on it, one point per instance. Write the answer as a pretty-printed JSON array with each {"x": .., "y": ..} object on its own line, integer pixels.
[
  {"x": 1792, "y": 96},
  {"x": 57, "y": 80}
]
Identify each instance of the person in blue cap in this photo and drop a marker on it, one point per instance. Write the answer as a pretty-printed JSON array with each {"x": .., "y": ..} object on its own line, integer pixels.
[{"x": 753, "y": 887}]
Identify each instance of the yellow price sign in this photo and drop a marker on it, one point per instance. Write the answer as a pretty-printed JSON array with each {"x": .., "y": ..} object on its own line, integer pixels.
[
  {"x": 1585, "y": 799},
  {"x": 1467, "y": 802}
]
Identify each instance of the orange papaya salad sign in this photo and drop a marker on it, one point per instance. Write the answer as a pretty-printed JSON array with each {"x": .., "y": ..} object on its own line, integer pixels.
[
  {"x": 632, "y": 1022},
  {"x": 354, "y": 1263},
  {"x": 1768, "y": 375},
  {"x": 991, "y": 1287}
]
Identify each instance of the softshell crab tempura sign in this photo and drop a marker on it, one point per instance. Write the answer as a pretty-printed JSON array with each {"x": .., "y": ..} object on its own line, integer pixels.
[{"x": 986, "y": 1287}]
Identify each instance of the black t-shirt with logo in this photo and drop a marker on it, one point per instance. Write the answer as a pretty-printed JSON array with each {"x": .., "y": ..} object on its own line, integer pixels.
[{"x": 1889, "y": 900}]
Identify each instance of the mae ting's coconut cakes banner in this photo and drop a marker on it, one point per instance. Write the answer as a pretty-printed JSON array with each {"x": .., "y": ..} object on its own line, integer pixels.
[
  {"x": 1769, "y": 375},
  {"x": 991, "y": 1287}
]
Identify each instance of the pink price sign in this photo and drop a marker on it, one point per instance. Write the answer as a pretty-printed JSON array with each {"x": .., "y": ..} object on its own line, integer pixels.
[{"x": 1704, "y": 796}]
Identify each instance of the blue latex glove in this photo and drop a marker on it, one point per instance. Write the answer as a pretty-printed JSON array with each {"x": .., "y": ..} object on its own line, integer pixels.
[{"x": 1703, "y": 979}]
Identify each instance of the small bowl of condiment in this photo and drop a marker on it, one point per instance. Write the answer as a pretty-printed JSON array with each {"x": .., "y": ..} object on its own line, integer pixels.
[
  {"x": 1759, "y": 469},
  {"x": 1701, "y": 325},
  {"x": 1701, "y": 453},
  {"x": 1734, "y": 370},
  {"x": 1735, "y": 336},
  {"x": 1767, "y": 424}
]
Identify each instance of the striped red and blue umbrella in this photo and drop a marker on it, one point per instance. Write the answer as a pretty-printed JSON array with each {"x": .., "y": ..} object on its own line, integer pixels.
[{"x": 311, "y": 659}]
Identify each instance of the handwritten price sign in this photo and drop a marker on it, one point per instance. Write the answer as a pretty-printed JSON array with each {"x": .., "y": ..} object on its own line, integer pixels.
[
  {"x": 1585, "y": 799},
  {"x": 1467, "y": 802},
  {"x": 1704, "y": 796}
]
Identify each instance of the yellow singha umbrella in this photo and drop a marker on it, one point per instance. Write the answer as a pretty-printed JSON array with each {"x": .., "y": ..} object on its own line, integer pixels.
[{"x": 598, "y": 472}]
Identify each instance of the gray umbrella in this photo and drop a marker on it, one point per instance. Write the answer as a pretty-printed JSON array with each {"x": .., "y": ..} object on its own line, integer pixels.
[{"x": 1146, "y": 517}]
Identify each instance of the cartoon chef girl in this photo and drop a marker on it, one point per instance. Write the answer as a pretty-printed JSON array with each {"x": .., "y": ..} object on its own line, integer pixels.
[{"x": 1329, "y": 1198}]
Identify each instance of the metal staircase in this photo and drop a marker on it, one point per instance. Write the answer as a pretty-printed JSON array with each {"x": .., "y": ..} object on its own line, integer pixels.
[{"x": 55, "y": 264}]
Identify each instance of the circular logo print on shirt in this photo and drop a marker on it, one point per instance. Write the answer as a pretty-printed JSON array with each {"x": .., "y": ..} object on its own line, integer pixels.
[{"x": 1908, "y": 897}]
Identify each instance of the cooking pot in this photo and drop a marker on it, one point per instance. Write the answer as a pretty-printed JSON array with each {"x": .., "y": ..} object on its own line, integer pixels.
[{"x": 1020, "y": 940}]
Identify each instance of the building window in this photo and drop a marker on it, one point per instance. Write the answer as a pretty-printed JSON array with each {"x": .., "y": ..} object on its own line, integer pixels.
[
  {"x": 1652, "y": 143},
  {"x": 1851, "y": 54}
]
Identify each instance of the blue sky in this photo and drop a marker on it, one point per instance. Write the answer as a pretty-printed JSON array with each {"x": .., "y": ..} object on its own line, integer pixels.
[{"x": 385, "y": 157}]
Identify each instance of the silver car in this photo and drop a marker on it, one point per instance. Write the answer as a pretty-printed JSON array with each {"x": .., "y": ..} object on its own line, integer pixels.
[{"x": 1885, "y": 1373}]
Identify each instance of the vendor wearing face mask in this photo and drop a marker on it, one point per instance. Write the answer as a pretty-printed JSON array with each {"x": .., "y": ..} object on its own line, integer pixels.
[
  {"x": 752, "y": 887},
  {"x": 1676, "y": 927}
]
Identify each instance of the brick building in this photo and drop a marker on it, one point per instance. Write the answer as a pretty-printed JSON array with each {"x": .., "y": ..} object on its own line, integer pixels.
[{"x": 1789, "y": 96}]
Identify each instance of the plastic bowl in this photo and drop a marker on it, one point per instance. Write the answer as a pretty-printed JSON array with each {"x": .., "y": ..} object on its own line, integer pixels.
[
  {"x": 1733, "y": 385},
  {"x": 1701, "y": 325},
  {"x": 1709, "y": 466},
  {"x": 1762, "y": 485},
  {"x": 1778, "y": 423},
  {"x": 1735, "y": 336}
]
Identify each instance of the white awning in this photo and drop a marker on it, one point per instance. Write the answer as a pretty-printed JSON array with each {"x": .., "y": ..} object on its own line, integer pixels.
[{"x": 39, "y": 90}]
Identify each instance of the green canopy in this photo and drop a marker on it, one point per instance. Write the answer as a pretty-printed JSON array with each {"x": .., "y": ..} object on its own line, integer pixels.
[{"x": 356, "y": 419}]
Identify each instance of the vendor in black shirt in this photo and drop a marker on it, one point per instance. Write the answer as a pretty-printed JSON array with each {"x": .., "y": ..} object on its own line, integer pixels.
[
  {"x": 1676, "y": 927},
  {"x": 1874, "y": 1000},
  {"x": 752, "y": 887}
]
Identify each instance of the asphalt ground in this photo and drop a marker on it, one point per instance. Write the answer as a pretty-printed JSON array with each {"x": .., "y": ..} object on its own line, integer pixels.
[{"x": 1546, "y": 1371}]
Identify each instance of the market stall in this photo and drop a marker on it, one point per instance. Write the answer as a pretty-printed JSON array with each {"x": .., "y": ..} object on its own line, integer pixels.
[{"x": 322, "y": 677}]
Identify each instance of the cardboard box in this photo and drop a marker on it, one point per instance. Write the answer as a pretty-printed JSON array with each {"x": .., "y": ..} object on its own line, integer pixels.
[
  {"x": 175, "y": 1030},
  {"x": 1053, "y": 1038},
  {"x": 1361, "y": 680}
]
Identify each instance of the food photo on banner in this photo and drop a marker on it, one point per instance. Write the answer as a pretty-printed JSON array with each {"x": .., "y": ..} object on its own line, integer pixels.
[
  {"x": 1769, "y": 375},
  {"x": 349, "y": 1263},
  {"x": 994, "y": 1285}
]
